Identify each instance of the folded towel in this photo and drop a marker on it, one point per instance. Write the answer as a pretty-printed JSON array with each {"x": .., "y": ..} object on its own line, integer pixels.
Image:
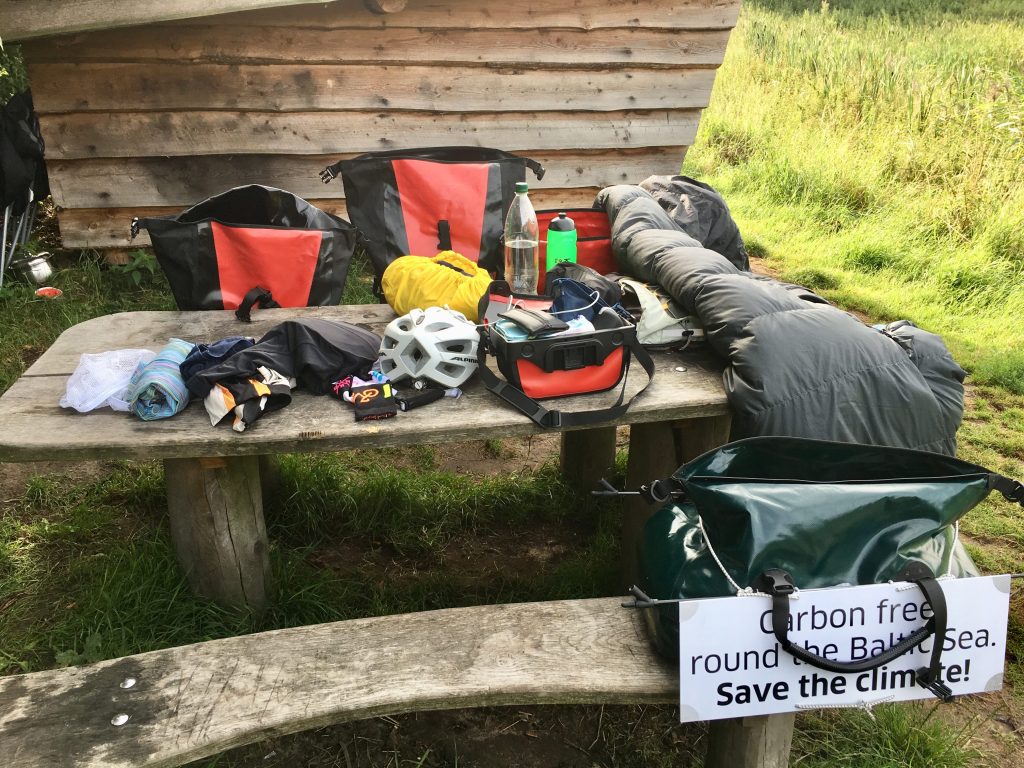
[{"x": 157, "y": 389}]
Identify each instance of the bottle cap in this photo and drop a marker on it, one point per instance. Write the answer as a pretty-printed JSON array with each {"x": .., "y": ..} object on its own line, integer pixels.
[
  {"x": 562, "y": 223},
  {"x": 522, "y": 186}
]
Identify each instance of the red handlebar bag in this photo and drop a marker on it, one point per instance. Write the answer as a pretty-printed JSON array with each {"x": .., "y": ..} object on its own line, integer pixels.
[{"x": 541, "y": 367}]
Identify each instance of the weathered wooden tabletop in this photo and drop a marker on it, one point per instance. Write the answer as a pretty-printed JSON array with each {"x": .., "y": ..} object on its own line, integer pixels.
[{"x": 33, "y": 427}]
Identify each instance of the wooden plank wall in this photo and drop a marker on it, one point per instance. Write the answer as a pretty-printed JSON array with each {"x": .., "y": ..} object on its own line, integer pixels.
[{"x": 150, "y": 119}]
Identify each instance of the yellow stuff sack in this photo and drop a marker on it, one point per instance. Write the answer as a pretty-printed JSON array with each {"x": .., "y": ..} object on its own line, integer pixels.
[{"x": 448, "y": 279}]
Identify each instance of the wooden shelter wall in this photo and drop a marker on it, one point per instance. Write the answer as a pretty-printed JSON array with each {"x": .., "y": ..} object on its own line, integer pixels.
[{"x": 161, "y": 116}]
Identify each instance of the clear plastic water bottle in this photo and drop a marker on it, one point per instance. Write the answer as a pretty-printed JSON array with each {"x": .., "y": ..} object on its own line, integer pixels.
[{"x": 522, "y": 236}]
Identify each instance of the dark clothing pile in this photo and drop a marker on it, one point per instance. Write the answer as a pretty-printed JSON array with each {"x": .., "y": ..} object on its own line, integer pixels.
[
  {"x": 314, "y": 352},
  {"x": 797, "y": 366},
  {"x": 235, "y": 376}
]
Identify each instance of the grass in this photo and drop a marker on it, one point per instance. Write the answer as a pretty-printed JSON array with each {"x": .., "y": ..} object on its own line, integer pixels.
[
  {"x": 890, "y": 737},
  {"x": 88, "y": 572},
  {"x": 870, "y": 150},
  {"x": 875, "y": 150}
]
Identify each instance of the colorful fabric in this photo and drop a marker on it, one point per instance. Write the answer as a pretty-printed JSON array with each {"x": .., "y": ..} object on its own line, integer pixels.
[
  {"x": 373, "y": 401},
  {"x": 157, "y": 390},
  {"x": 248, "y": 398}
]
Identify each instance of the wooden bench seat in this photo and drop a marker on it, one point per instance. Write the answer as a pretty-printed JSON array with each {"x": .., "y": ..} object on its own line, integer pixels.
[{"x": 197, "y": 700}]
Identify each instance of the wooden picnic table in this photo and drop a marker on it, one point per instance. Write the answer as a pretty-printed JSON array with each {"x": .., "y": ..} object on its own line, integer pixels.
[
  {"x": 213, "y": 473},
  {"x": 214, "y": 493}
]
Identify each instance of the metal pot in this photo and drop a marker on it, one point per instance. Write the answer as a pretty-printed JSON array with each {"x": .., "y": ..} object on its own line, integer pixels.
[{"x": 36, "y": 268}]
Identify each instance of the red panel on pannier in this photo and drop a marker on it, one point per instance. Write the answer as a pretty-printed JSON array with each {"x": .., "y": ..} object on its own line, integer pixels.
[
  {"x": 248, "y": 256},
  {"x": 538, "y": 383},
  {"x": 431, "y": 192}
]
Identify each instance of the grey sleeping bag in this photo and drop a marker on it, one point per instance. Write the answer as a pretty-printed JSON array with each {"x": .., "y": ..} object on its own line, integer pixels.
[{"x": 797, "y": 366}]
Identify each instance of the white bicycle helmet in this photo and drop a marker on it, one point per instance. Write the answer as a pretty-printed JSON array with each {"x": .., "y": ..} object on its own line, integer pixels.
[{"x": 438, "y": 344}]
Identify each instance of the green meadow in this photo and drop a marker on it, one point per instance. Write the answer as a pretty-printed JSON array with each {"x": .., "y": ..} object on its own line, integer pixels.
[{"x": 875, "y": 152}]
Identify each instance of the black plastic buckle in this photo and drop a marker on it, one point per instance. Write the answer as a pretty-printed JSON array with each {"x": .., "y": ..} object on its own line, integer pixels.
[
  {"x": 1015, "y": 492},
  {"x": 640, "y": 599},
  {"x": 776, "y": 581},
  {"x": 444, "y": 235},
  {"x": 942, "y": 691},
  {"x": 327, "y": 175},
  {"x": 571, "y": 357},
  {"x": 134, "y": 228}
]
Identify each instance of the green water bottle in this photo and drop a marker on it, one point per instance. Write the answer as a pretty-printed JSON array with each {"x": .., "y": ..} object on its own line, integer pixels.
[{"x": 561, "y": 240}]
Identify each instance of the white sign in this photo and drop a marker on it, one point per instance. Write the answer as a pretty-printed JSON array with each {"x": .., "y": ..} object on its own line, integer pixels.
[{"x": 731, "y": 665}]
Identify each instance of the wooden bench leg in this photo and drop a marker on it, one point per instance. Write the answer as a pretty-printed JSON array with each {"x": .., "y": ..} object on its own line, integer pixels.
[
  {"x": 750, "y": 742},
  {"x": 657, "y": 450},
  {"x": 270, "y": 477},
  {"x": 587, "y": 456},
  {"x": 216, "y": 511}
]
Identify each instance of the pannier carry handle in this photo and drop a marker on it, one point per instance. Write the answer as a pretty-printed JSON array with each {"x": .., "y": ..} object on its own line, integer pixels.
[
  {"x": 257, "y": 296},
  {"x": 779, "y": 584},
  {"x": 557, "y": 419},
  {"x": 465, "y": 154}
]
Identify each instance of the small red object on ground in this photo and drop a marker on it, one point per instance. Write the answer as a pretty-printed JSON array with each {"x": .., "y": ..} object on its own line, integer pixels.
[{"x": 48, "y": 292}]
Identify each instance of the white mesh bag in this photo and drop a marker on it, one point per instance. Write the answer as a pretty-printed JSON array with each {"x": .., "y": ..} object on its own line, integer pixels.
[{"x": 102, "y": 379}]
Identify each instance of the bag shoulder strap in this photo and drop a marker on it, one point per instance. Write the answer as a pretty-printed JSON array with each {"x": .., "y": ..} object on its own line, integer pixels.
[
  {"x": 1012, "y": 490},
  {"x": 780, "y": 586}
]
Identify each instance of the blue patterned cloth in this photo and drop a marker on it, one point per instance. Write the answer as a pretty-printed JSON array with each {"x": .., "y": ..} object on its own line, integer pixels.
[{"x": 157, "y": 390}]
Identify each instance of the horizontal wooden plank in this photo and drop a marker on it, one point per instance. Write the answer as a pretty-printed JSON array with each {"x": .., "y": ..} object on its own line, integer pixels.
[
  {"x": 108, "y": 227},
  {"x": 24, "y": 19},
  {"x": 118, "y": 134},
  {"x": 523, "y": 47},
  {"x": 85, "y": 87},
  {"x": 496, "y": 14},
  {"x": 37, "y": 429},
  {"x": 183, "y": 181},
  {"x": 194, "y": 701}
]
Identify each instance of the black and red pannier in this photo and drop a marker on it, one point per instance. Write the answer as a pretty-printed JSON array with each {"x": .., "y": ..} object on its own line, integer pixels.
[
  {"x": 217, "y": 253},
  {"x": 423, "y": 201}
]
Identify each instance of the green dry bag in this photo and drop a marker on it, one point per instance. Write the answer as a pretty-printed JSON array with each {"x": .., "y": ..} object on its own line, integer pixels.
[{"x": 824, "y": 513}]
